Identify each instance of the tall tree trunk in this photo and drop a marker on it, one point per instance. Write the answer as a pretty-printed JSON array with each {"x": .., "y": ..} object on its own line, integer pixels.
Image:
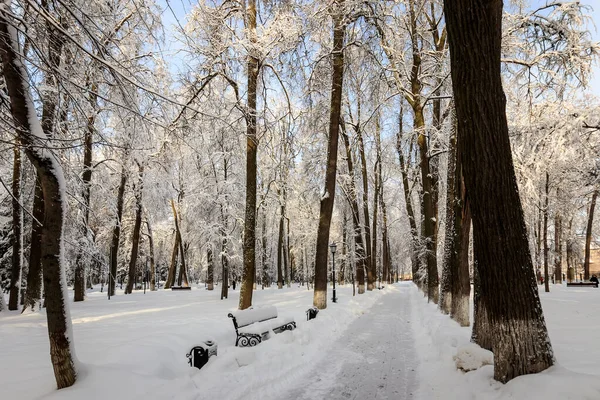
[
  {"x": 408, "y": 202},
  {"x": 387, "y": 258},
  {"x": 249, "y": 271},
  {"x": 375, "y": 217},
  {"x": 370, "y": 263},
  {"x": 34, "y": 275},
  {"x": 30, "y": 134},
  {"x": 17, "y": 221},
  {"x": 452, "y": 228},
  {"x": 152, "y": 258},
  {"x": 173, "y": 267},
  {"x": 358, "y": 238},
  {"x": 210, "y": 269},
  {"x": 558, "y": 249},
  {"x": 326, "y": 209},
  {"x": 280, "y": 252},
  {"x": 116, "y": 234},
  {"x": 588, "y": 236},
  {"x": 545, "y": 235},
  {"x": 509, "y": 294},
  {"x": 86, "y": 178},
  {"x": 135, "y": 241},
  {"x": 224, "y": 269},
  {"x": 263, "y": 254}
]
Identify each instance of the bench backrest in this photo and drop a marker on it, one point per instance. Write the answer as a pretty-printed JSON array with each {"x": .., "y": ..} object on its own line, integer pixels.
[{"x": 249, "y": 316}]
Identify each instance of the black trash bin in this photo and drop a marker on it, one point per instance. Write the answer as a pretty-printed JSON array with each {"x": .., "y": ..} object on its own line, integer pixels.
[
  {"x": 199, "y": 355},
  {"x": 311, "y": 313}
]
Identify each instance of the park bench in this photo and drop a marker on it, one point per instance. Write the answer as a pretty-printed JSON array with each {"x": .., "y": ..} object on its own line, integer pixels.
[
  {"x": 181, "y": 288},
  {"x": 594, "y": 284},
  {"x": 254, "y": 325}
]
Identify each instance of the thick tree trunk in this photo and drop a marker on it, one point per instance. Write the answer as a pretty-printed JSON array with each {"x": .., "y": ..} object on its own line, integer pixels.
[
  {"x": 545, "y": 235},
  {"x": 358, "y": 238},
  {"x": 453, "y": 222},
  {"x": 17, "y": 220},
  {"x": 509, "y": 295},
  {"x": 152, "y": 258},
  {"x": 30, "y": 134},
  {"x": 249, "y": 271},
  {"x": 135, "y": 241},
  {"x": 326, "y": 209},
  {"x": 375, "y": 218},
  {"x": 588, "y": 236},
  {"x": 224, "y": 269}
]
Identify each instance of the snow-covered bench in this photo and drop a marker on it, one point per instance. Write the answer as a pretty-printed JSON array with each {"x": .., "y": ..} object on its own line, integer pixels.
[{"x": 253, "y": 325}]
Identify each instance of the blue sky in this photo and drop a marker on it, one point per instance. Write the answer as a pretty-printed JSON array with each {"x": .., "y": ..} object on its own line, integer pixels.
[{"x": 181, "y": 7}]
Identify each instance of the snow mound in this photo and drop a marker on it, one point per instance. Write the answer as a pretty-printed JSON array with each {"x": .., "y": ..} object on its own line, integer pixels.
[{"x": 472, "y": 357}]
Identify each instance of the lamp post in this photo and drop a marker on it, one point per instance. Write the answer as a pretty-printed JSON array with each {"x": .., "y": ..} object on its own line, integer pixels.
[{"x": 333, "y": 248}]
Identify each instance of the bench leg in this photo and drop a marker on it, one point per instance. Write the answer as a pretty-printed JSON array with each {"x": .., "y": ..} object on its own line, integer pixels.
[{"x": 248, "y": 340}]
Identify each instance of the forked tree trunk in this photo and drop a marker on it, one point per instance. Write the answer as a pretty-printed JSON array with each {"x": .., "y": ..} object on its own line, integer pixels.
[
  {"x": 30, "y": 135},
  {"x": 116, "y": 234},
  {"x": 135, "y": 241},
  {"x": 326, "y": 208},
  {"x": 249, "y": 271},
  {"x": 588, "y": 236},
  {"x": 509, "y": 296},
  {"x": 17, "y": 220}
]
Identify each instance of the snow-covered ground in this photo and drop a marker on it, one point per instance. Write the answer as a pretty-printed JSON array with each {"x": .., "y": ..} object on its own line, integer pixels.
[
  {"x": 573, "y": 319},
  {"x": 134, "y": 347}
]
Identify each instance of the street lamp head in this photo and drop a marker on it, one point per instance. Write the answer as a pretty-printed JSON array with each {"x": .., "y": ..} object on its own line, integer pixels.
[{"x": 333, "y": 247}]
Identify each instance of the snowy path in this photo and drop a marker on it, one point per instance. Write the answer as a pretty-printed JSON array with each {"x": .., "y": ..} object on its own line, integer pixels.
[{"x": 374, "y": 359}]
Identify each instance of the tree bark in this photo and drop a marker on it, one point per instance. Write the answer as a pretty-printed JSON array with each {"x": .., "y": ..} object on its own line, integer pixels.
[
  {"x": 116, "y": 234},
  {"x": 280, "y": 252},
  {"x": 326, "y": 208},
  {"x": 135, "y": 241},
  {"x": 408, "y": 202},
  {"x": 369, "y": 264},
  {"x": 558, "y": 248},
  {"x": 358, "y": 238},
  {"x": 17, "y": 220},
  {"x": 509, "y": 295},
  {"x": 249, "y": 271},
  {"x": 152, "y": 258},
  {"x": 173, "y": 267},
  {"x": 588, "y": 237},
  {"x": 30, "y": 133},
  {"x": 545, "y": 235}
]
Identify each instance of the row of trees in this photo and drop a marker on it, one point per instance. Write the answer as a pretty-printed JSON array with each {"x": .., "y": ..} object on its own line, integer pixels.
[{"x": 227, "y": 169}]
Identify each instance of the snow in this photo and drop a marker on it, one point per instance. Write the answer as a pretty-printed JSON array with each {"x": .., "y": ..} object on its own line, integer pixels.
[
  {"x": 136, "y": 345},
  {"x": 573, "y": 323},
  {"x": 386, "y": 344},
  {"x": 254, "y": 314},
  {"x": 471, "y": 357}
]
